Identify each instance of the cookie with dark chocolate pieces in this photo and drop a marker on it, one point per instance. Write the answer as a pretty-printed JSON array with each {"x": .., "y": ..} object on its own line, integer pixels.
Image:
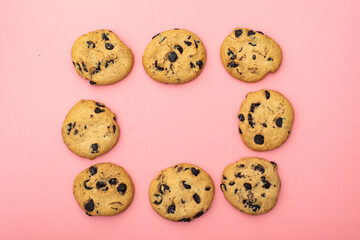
[
  {"x": 181, "y": 193},
  {"x": 103, "y": 189},
  {"x": 265, "y": 120},
  {"x": 250, "y": 55},
  {"x": 174, "y": 56},
  {"x": 101, "y": 57},
  {"x": 90, "y": 129},
  {"x": 251, "y": 185}
]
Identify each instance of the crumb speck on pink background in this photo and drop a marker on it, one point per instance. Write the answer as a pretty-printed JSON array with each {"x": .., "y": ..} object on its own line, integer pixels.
[{"x": 162, "y": 125}]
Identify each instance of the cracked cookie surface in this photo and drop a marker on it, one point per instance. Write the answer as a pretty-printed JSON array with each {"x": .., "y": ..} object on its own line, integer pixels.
[
  {"x": 103, "y": 189},
  {"x": 266, "y": 119},
  {"x": 250, "y": 55},
  {"x": 174, "y": 56},
  {"x": 101, "y": 57},
  {"x": 181, "y": 192},
  {"x": 90, "y": 129},
  {"x": 251, "y": 185}
]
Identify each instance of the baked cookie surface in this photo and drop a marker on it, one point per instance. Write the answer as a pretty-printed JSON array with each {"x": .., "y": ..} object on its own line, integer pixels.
[
  {"x": 104, "y": 189},
  {"x": 181, "y": 192},
  {"x": 90, "y": 129},
  {"x": 266, "y": 118},
  {"x": 250, "y": 55},
  {"x": 251, "y": 185},
  {"x": 174, "y": 56},
  {"x": 101, "y": 57}
]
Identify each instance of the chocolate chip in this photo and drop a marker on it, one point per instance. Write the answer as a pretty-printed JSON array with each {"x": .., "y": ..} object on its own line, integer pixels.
[
  {"x": 109, "y": 46},
  {"x": 93, "y": 170},
  {"x": 241, "y": 117},
  {"x": 69, "y": 127},
  {"x": 251, "y": 32},
  {"x": 254, "y": 57},
  {"x": 92, "y": 83},
  {"x": 94, "y": 147},
  {"x": 158, "y": 199},
  {"x": 122, "y": 188},
  {"x": 200, "y": 64},
  {"x": 242, "y": 165},
  {"x": 270, "y": 59},
  {"x": 274, "y": 163},
  {"x": 105, "y": 189},
  {"x": 253, "y": 106},
  {"x": 207, "y": 188},
  {"x": 259, "y": 139},
  {"x": 251, "y": 123},
  {"x": 75, "y": 132},
  {"x": 186, "y": 186},
  {"x": 266, "y": 184},
  {"x": 83, "y": 65},
  {"x": 247, "y": 186},
  {"x": 231, "y": 183},
  {"x": 90, "y": 44},
  {"x": 114, "y": 119},
  {"x": 267, "y": 94},
  {"x": 172, "y": 57},
  {"x": 73, "y": 63},
  {"x": 188, "y": 43},
  {"x": 230, "y": 53},
  {"x": 196, "y": 198},
  {"x": 179, "y": 48},
  {"x": 252, "y": 44},
  {"x": 255, "y": 207},
  {"x": 85, "y": 186},
  {"x": 196, "y": 43},
  {"x": 260, "y": 32},
  {"x": 240, "y": 130},
  {"x": 223, "y": 187},
  {"x": 89, "y": 206},
  {"x": 224, "y": 177},
  {"x": 100, "y": 185},
  {"x": 171, "y": 209},
  {"x": 113, "y": 181},
  {"x": 88, "y": 214},
  {"x": 279, "y": 122},
  {"x": 264, "y": 125},
  {"x": 185, "y": 220},
  {"x": 99, "y": 110},
  {"x": 158, "y": 67},
  {"x": 232, "y": 64},
  {"x": 99, "y": 104},
  {"x": 199, "y": 214},
  {"x": 192, "y": 65},
  {"x": 195, "y": 171},
  {"x": 107, "y": 63},
  {"x": 182, "y": 201},
  {"x": 238, "y": 175},
  {"x": 104, "y": 37},
  {"x": 238, "y": 32},
  {"x": 114, "y": 128},
  {"x": 259, "y": 168},
  {"x": 163, "y": 188},
  {"x": 79, "y": 67},
  {"x": 155, "y": 36}
]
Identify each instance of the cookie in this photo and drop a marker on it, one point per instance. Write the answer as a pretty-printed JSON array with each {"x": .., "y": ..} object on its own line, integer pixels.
[
  {"x": 250, "y": 55},
  {"x": 101, "y": 57},
  {"x": 104, "y": 189},
  {"x": 174, "y": 56},
  {"x": 251, "y": 185},
  {"x": 181, "y": 192},
  {"x": 266, "y": 118},
  {"x": 90, "y": 129}
]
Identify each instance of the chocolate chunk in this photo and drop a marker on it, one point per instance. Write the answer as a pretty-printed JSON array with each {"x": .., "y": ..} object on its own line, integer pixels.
[
  {"x": 172, "y": 57},
  {"x": 89, "y": 206},
  {"x": 122, "y": 188},
  {"x": 100, "y": 185},
  {"x": 155, "y": 36},
  {"x": 247, "y": 186},
  {"x": 259, "y": 139},
  {"x": 231, "y": 183},
  {"x": 274, "y": 163},
  {"x": 171, "y": 209},
  {"x": 260, "y": 32},
  {"x": 199, "y": 214},
  {"x": 158, "y": 67},
  {"x": 195, "y": 171},
  {"x": 255, "y": 207},
  {"x": 85, "y": 186},
  {"x": 251, "y": 123},
  {"x": 251, "y": 32},
  {"x": 188, "y": 43},
  {"x": 104, "y": 37},
  {"x": 240, "y": 130},
  {"x": 270, "y": 59},
  {"x": 109, "y": 46},
  {"x": 113, "y": 181},
  {"x": 241, "y": 117},
  {"x": 196, "y": 198},
  {"x": 238, "y": 32},
  {"x": 179, "y": 48},
  {"x": 186, "y": 186},
  {"x": 90, "y": 44},
  {"x": 163, "y": 188},
  {"x": 114, "y": 128},
  {"x": 254, "y": 57},
  {"x": 279, "y": 122},
  {"x": 93, "y": 170},
  {"x": 83, "y": 65},
  {"x": 99, "y": 110},
  {"x": 185, "y": 220},
  {"x": 267, "y": 94},
  {"x": 253, "y": 106},
  {"x": 192, "y": 65},
  {"x": 99, "y": 104},
  {"x": 223, "y": 187},
  {"x": 252, "y": 44},
  {"x": 264, "y": 125},
  {"x": 92, "y": 83},
  {"x": 94, "y": 147},
  {"x": 232, "y": 64},
  {"x": 259, "y": 168},
  {"x": 263, "y": 194},
  {"x": 107, "y": 63},
  {"x": 207, "y": 188},
  {"x": 158, "y": 199},
  {"x": 200, "y": 64}
]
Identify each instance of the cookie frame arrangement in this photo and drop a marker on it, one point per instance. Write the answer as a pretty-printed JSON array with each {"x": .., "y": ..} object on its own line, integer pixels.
[{"x": 184, "y": 191}]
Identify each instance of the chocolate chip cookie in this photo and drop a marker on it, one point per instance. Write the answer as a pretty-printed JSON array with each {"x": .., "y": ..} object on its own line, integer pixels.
[
  {"x": 104, "y": 189},
  {"x": 101, "y": 57},
  {"x": 266, "y": 119},
  {"x": 251, "y": 185},
  {"x": 181, "y": 192},
  {"x": 90, "y": 129},
  {"x": 250, "y": 55},
  {"x": 175, "y": 56}
]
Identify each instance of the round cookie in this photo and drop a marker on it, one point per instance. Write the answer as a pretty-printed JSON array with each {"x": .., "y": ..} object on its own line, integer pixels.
[
  {"x": 90, "y": 129},
  {"x": 251, "y": 185},
  {"x": 181, "y": 192},
  {"x": 104, "y": 189},
  {"x": 174, "y": 56},
  {"x": 249, "y": 56},
  {"x": 101, "y": 57},
  {"x": 266, "y": 118}
]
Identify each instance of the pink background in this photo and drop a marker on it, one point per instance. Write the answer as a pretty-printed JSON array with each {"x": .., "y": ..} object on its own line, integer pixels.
[{"x": 162, "y": 125}]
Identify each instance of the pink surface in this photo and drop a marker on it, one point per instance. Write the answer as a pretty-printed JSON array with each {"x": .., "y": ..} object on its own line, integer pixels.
[{"x": 162, "y": 125}]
